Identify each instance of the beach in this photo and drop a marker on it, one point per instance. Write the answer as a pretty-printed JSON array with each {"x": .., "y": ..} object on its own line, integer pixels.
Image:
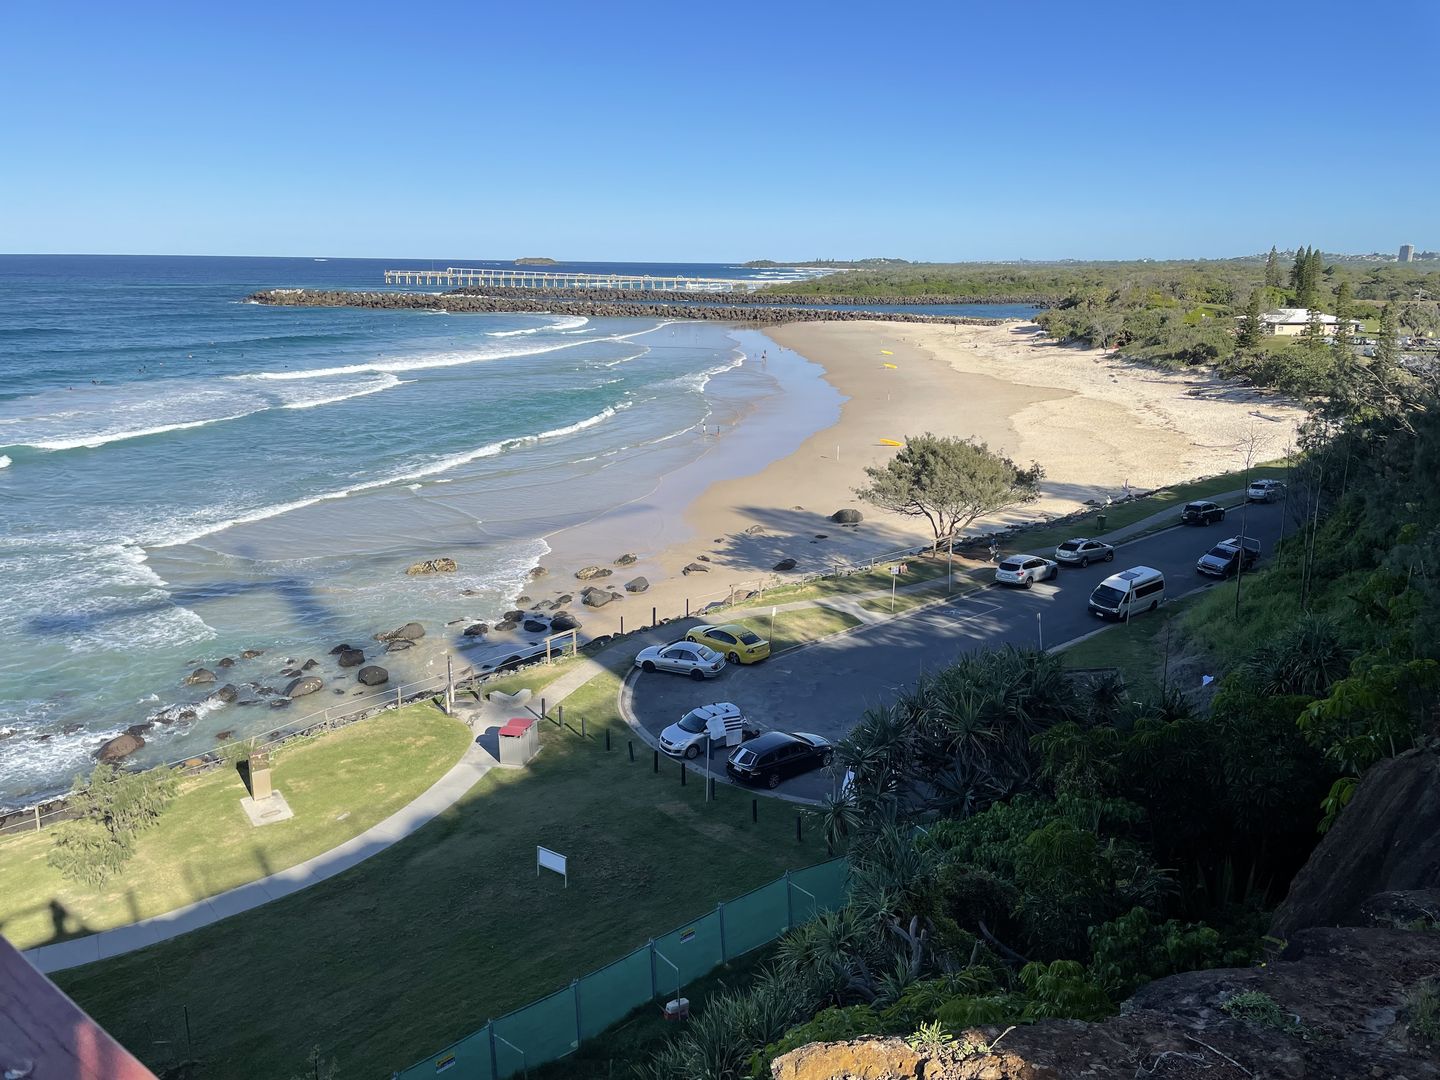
[{"x": 1099, "y": 425}]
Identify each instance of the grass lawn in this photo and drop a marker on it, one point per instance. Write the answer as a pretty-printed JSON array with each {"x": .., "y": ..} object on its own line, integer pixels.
[
  {"x": 338, "y": 785},
  {"x": 423, "y": 942},
  {"x": 795, "y": 627}
]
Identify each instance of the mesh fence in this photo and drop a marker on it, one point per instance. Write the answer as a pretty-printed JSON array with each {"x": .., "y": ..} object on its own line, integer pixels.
[{"x": 555, "y": 1025}]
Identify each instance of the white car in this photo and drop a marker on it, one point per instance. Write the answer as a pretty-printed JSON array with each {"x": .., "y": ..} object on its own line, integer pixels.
[
  {"x": 1264, "y": 491},
  {"x": 1082, "y": 552},
  {"x": 683, "y": 658},
  {"x": 722, "y": 724},
  {"x": 1025, "y": 570}
]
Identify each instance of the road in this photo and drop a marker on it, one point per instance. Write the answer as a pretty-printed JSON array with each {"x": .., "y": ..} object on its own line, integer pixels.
[{"x": 827, "y": 686}]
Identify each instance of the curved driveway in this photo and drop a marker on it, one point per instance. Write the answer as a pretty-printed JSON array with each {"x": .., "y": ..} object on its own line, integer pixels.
[{"x": 825, "y": 687}]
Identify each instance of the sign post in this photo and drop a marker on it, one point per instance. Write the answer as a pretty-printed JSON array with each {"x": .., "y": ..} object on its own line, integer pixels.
[
  {"x": 894, "y": 577},
  {"x": 551, "y": 860}
]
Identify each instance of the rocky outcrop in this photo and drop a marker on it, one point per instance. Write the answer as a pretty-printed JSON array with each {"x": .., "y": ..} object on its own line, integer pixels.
[
  {"x": 225, "y": 695},
  {"x": 372, "y": 675},
  {"x": 199, "y": 677},
  {"x": 537, "y": 572},
  {"x": 338, "y": 649},
  {"x": 637, "y": 585},
  {"x": 225, "y": 661},
  {"x": 1388, "y": 838},
  {"x": 784, "y": 564},
  {"x": 590, "y": 573},
  {"x": 411, "y": 631},
  {"x": 847, "y": 517},
  {"x": 534, "y": 626},
  {"x": 119, "y": 748},
  {"x": 562, "y": 621},
  {"x": 399, "y": 645},
  {"x": 432, "y": 566},
  {"x": 1341, "y": 992},
  {"x": 352, "y": 658},
  {"x": 307, "y": 684},
  {"x": 596, "y": 598},
  {"x": 628, "y": 559},
  {"x": 251, "y": 654},
  {"x": 695, "y": 568},
  {"x": 476, "y": 630}
]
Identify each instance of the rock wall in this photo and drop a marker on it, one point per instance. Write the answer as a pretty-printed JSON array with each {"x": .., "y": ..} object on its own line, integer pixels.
[{"x": 743, "y": 296}]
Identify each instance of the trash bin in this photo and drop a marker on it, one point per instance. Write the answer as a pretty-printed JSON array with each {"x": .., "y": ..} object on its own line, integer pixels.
[{"x": 1100, "y": 522}]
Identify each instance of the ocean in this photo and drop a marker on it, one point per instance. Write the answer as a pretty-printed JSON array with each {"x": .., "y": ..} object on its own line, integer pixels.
[{"x": 184, "y": 476}]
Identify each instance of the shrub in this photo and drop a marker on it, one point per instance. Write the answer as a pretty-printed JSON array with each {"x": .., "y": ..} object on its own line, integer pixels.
[{"x": 114, "y": 807}]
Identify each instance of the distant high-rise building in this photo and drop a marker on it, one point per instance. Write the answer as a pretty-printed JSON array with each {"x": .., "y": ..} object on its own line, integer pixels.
[{"x": 1407, "y": 252}]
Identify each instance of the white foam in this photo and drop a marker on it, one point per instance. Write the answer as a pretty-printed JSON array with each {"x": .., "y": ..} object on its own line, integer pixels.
[
  {"x": 5, "y": 461},
  {"x": 385, "y": 382},
  {"x": 94, "y": 439},
  {"x": 558, "y": 324}
]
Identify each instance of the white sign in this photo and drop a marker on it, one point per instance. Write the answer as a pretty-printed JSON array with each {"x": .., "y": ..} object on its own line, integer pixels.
[
  {"x": 894, "y": 570},
  {"x": 551, "y": 860}
]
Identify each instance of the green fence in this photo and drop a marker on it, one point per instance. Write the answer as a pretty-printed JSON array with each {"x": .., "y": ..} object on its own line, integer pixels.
[{"x": 555, "y": 1025}]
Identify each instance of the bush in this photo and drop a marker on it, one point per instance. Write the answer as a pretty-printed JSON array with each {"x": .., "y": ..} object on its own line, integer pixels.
[{"x": 114, "y": 807}]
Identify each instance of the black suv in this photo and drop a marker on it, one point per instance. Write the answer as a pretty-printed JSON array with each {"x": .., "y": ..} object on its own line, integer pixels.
[
  {"x": 1202, "y": 513},
  {"x": 777, "y": 755}
]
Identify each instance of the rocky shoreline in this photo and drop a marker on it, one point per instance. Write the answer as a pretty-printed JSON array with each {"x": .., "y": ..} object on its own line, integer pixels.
[
  {"x": 747, "y": 297},
  {"x": 562, "y": 303}
]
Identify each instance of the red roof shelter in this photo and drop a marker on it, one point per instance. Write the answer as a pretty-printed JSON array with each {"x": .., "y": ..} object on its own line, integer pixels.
[{"x": 46, "y": 1036}]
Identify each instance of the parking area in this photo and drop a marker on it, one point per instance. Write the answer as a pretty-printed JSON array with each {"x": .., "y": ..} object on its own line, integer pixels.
[{"x": 825, "y": 687}]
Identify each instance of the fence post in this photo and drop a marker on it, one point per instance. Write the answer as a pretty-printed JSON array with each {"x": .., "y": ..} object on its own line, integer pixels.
[
  {"x": 575, "y": 989},
  {"x": 651, "y": 946},
  {"x": 789, "y": 906},
  {"x": 37, "y": 817},
  {"x": 720, "y": 913},
  {"x": 398, "y": 701},
  {"x": 494, "y": 1062}
]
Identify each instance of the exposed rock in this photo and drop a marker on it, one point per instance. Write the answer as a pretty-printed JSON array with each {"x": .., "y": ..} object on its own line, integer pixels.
[
  {"x": 411, "y": 631},
  {"x": 139, "y": 730},
  {"x": 515, "y": 616},
  {"x": 225, "y": 695},
  {"x": 225, "y": 661},
  {"x": 596, "y": 598},
  {"x": 1344, "y": 989},
  {"x": 695, "y": 568},
  {"x": 118, "y": 748},
  {"x": 68, "y": 729},
  {"x": 537, "y": 572},
  {"x": 223, "y": 736},
  {"x": 822, "y": 536},
  {"x": 563, "y": 621},
  {"x": 847, "y": 517},
  {"x": 310, "y": 665},
  {"x": 563, "y": 599},
  {"x": 248, "y": 701},
  {"x": 186, "y": 716},
  {"x": 505, "y": 625},
  {"x": 338, "y": 649},
  {"x": 307, "y": 684},
  {"x": 476, "y": 629},
  {"x": 251, "y": 654},
  {"x": 628, "y": 559},
  {"x": 703, "y": 558},
  {"x": 755, "y": 530},
  {"x": 199, "y": 676},
  {"x": 522, "y": 599},
  {"x": 785, "y": 564},
  {"x": 589, "y": 573},
  {"x": 1387, "y": 839},
  {"x": 280, "y": 703},
  {"x": 399, "y": 645},
  {"x": 1403, "y": 909},
  {"x": 637, "y": 585},
  {"x": 432, "y": 566},
  {"x": 535, "y": 626},
  {"x": 354, "y": 657},
  {"x": 372, "y": 675}
]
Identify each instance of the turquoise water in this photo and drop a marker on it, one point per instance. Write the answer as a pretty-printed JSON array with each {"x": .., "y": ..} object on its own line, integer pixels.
[{"x": 184, "y": 476}]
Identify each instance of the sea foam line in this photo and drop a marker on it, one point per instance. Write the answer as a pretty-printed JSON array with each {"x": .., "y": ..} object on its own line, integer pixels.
[{"x": 5, "y": 461}]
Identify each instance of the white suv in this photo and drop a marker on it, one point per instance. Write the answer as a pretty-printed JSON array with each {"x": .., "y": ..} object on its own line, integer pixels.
[{"x": 1264, "y": 491}]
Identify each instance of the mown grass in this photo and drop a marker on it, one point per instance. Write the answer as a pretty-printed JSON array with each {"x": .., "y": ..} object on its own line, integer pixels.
[
  {"x": 797, "y": 627},
  {"x": 1137, "y": 648},
  {"x": 424, "y": 941},
  {"x": 337, "y": 785}
]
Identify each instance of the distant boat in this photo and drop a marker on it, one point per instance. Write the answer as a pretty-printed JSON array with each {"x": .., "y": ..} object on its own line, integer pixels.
[{"x": 321, "y": 260}]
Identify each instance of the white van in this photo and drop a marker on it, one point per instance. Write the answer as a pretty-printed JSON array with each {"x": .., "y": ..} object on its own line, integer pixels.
[{"x": 1119, "y": 596}]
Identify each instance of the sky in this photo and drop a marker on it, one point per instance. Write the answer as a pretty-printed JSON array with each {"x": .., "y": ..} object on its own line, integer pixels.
[{"x": 718, "y": 131}]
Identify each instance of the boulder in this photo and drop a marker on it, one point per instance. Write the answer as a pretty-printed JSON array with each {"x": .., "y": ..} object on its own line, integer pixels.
[
  {"x": 68, "y": 729},
  {"x": 755, "y": 530},
  {"x": 372, "y": 675},
  {"x": 1403, "y": 909},
  {"x": 589, "y": 573},
  {"x": 522, "y": 599},
  {"x": 307, "y": 684},
  {"x": 535, "y": 626},
  {"x": 223, "y": 736},
  {"x": 476, "y": 629},
  {"x": 411, "y": 631},
  {"x": 537, "y": 572},
  {"x": 515, "y": 616},
  {"x": 186, "y": 716},
  {"x": 847, "y": 517},
  {"x": 637, "y": 585},
  {"x": 628, "y": 559},
  {"x": 310, "y": 665},
  {"x": 280, "y": 703},
  {"x": 432, "y": 566},
  {"x": 225, "y": 661},
  {"x": 703, "y": 558},
  {"x": 118, "y": 748},
  {"x": 338, "y": 649},
  {"x": 562, "y": 622},
  {"x": 399, "y": 645},
  {"x": 225, "y": 695},
  {"x": 1386, "y": 839},
  {"x": 199, "y": 677},
  {"x": 784, "y": 565},
  {"x": 563, "y": 599},
  {"x": 139, "y": 730},
  {"x": 506, "y": 625},
  {"x": 251, "y": 654},
  {"x": 354, "y": 657},
  {"x": 596, "y": 598},
  {"x": 695, "y": 568}
]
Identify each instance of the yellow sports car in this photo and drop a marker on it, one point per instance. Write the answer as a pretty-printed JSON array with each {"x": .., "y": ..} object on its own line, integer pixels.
[{"x": 732, "y": 641}]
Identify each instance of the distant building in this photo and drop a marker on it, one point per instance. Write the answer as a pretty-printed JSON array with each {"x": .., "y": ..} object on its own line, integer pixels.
[
  {"x": 1292, "y": 321},
  {"x": 1407, "y": 252}
]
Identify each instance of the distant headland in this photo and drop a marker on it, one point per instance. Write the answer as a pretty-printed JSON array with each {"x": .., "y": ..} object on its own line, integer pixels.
[{"x": 536, "y": 261}]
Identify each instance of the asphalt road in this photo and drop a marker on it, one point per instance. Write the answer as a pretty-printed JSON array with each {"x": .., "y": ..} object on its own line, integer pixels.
[{"x": 826, "y": 687}]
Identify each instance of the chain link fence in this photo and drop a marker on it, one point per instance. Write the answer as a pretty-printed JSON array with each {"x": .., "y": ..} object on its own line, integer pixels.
[{"x": 657, "y": 971}]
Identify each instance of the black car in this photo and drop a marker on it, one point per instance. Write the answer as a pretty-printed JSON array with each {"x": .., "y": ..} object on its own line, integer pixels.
[
  {"x": 777, "y": 755},
  {"x": 1228, "y": 556},
  {"x": 1202, "y": 513}
]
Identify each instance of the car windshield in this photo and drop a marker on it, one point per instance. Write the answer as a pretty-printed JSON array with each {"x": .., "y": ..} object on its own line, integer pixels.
[
  {"x": 705, "y": 654},
  {"x": 744, "y": 757},
  {"x": 693, "y": 722},
  {"x": 1220, "y": 551},
  {"x": 1194, "y": 508},
  {"x": 750, "y": 639},
  {"x": 1104, "y": 594},
  {"x": 1014, "y": 564},
  {"x": 1070, "y": 545}
]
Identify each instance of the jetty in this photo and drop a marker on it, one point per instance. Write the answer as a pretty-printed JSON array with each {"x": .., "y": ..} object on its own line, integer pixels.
[{"x": 520, "y": 277}]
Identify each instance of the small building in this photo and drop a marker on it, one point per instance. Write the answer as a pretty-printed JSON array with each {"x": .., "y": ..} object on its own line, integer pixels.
[
  {"x": 1407, "y": 253},
  {"x": 1291, "y": 322}
]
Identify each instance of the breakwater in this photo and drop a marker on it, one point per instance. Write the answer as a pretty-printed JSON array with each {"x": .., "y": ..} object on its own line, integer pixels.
[
  {"x": 564, "y": 302},
  {"x": 749, "y": 297}
]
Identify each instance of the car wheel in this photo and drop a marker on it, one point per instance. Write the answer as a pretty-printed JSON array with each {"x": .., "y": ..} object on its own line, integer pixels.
[
  {"x": 1221, "y": 516},
  {"x": 692, "y": 752},
  {"x": 772, "y": 781},
  {"x": 697, "y": 674},
  {"x": 1084, "y": 562},
  {"x": 734, "y": 658},
  {"x": 1029, "y": 581},
  {"x": 1154, "y": 604},
  {"x": 647, "y": 666},
  {"x": 1110, "y": 556},
  {"x": 827, "y": 757}
]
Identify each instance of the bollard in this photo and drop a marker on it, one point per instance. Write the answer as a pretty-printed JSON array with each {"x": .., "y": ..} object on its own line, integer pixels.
[
  {"x": 687, "y": 607},
  {"x": 653, "y": 620},
  {"x": 631, "y": 745},
  {"x": 560, "y": 716},
  {"x": 607, "y": 740},
  {"x": 754, "y": 809},
  {"x": 582, "y": 727},
  {"x": 682, "y": 774},
  {"x": 543, "y": 711},
  {"x": 710, "y": 788},
  {"x": 622, "y": 625},
  {"x": 799, "y": 825},
  {"x": 656, "y": 768}
]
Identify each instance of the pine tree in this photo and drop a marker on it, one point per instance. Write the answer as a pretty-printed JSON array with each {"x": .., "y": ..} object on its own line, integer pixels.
[
  {"x": 1297, "y": 269},
  {"x": 1316, "y": 274},
  {"x": 1250, "y": 330},
  {"x": 1343, "y": 304},
  {"x": 1273, "y": 279}
]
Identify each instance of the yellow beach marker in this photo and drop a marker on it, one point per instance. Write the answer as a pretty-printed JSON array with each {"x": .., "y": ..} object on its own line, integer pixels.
[
  {"x": 886, "y": 352},
  {"x": 891, "y": 442},
  {"x": 896, "y": 366}
]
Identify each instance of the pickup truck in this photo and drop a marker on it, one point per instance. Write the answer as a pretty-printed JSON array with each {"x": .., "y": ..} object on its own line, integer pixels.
[{"x": 1228, "y": 556}]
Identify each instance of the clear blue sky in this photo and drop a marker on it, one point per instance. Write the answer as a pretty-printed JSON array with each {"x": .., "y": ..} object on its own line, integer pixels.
[{"x": 718, "y": 131}]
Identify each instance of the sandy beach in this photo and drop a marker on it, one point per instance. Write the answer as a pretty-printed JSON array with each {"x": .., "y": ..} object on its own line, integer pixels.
[{"x": 1095, "y": 422}]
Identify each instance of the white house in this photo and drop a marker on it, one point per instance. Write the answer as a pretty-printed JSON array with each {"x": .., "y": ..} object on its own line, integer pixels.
[{"x": 1291, "y": 322}]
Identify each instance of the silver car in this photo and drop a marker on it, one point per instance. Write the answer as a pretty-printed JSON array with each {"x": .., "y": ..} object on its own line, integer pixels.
[
  {"x": 1264, "y": 491},
  {"x": 1082, "y": 552},
  {"x": 1025, "y": 570},
  {"x": 683, "y": 658}
]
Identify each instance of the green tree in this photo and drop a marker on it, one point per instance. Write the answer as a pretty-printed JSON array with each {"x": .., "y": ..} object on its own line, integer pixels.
[
  {"x": 113, "y": 807},
  {"x": 1274, "y": 277},
  {"x": 1250, "y": 333},
  {"x": 949, "y": 482}
]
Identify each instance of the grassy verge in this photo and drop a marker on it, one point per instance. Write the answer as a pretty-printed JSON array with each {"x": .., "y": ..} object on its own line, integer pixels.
[
  {"x": 1137, "y": 649},
  {"x": 419, "y": 944},
  {"x": 797, "y": 627},
  {"x": 338, "y": 786}
]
